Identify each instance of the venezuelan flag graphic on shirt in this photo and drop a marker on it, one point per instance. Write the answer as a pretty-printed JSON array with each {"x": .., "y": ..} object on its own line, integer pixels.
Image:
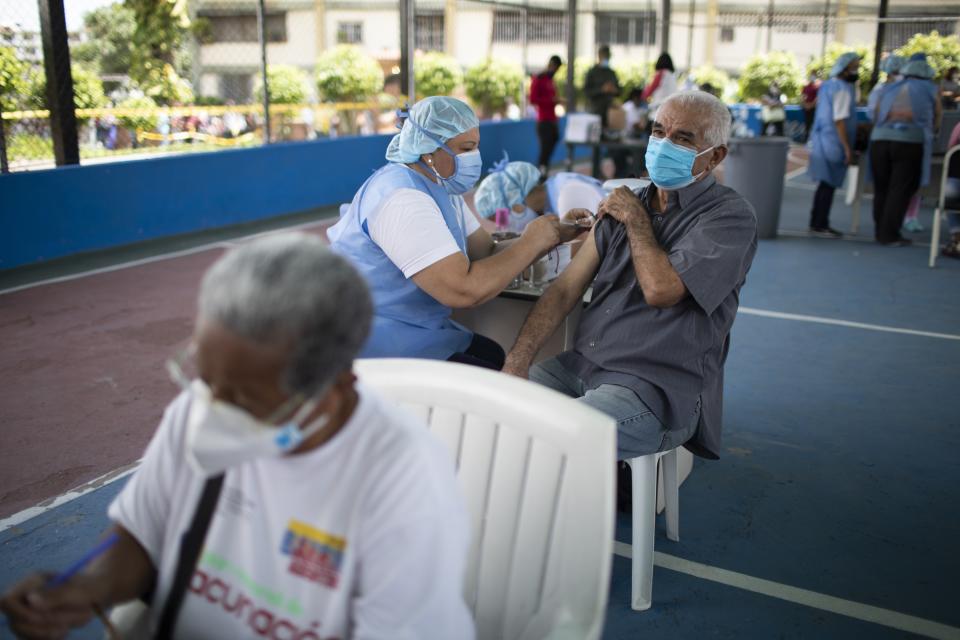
[{"x": 314, "y": 554}]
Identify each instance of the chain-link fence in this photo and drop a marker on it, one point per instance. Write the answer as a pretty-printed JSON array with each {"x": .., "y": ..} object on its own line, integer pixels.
[{"x": 153, "y": 77}]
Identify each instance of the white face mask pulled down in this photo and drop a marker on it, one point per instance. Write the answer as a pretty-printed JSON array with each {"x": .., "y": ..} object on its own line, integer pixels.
[{"x": 221, "y": 436}]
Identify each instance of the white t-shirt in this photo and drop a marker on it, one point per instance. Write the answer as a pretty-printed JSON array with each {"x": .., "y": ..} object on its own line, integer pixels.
[
  {"x": 841, "y": 105},
  {"x": 363, "y": 537},
  {"x": 410, "y": 229}
]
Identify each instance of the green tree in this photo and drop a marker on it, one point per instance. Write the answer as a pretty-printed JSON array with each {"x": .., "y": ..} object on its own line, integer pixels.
[
  {"x": 436, "y": 74},
  {"x": 286, "y": 84},
  {"x": 346, "y": 73},
  {"x": 87, "y": 89},
  {"x": 13, "y": 80},
  {"x": 761, "y": 70},
  {"x": 110, "y": 32},
  {"x": 632, "y": 75},
  {"x": 159, "y": 52},
  {"x": 141, "y": 122},
  {"x": 166, "y": 87},
  {"x": 491, "y": 82},
  {"x": 942, "y": 52},
  {"x": 710, "y": 75},
  {"x": 824, "y": 65},
  {"x": 580, "y": 68}
]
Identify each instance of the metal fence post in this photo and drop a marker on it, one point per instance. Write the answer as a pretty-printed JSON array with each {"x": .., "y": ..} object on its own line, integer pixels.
[
  {"x": 878, "y": 48},
  {"x": 408, "y": 25},
  {"x": 571, "y": 105},
  {"x": 4, "y": 167},
  {"x": 56, "y": 64},
  {"x": 262, "y": 30}
]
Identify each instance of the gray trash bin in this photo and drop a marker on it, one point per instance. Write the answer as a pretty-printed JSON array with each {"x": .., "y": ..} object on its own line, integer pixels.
[{"x": 755, "y": 169}]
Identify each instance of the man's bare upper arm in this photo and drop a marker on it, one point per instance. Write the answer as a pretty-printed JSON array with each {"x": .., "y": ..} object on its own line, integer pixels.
[{"x": 582, "y": 269}]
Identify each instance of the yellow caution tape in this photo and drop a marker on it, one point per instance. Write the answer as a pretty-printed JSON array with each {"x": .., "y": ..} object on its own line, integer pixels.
[
  {"x": 195, "y": 110},
  {"x": 197, "y": 136}
]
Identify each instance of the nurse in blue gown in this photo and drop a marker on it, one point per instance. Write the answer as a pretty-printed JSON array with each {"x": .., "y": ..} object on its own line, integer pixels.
[{"x": 421, "y": 250}]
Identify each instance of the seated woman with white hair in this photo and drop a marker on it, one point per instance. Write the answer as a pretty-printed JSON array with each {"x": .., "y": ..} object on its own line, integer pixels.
[
  {"x": 516, "y": 186},
  {"x": 278, "y": 497}
]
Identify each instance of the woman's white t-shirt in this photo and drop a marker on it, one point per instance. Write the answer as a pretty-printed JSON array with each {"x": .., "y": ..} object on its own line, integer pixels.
[
  {"x": 363, "y": 537},
  {"x": 408, "y": 226}
]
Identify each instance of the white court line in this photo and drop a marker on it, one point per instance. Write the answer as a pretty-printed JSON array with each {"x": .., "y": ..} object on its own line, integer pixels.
[
  {"x": 846, "y": 323},
  {"x": 849, "y": 608},
  {"x": 118, "y": 267},
  {"x": 52, "y": 503},
  {"x": 790, "y": 175},
  {"x": 220, "y": 244}
]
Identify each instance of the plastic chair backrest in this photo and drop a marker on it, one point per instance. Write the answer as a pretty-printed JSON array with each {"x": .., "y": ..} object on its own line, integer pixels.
[{"x": 537, "y": 471}]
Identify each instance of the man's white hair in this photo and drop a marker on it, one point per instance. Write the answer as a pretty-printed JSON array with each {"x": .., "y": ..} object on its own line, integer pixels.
[{"x": 714, "y": 115}]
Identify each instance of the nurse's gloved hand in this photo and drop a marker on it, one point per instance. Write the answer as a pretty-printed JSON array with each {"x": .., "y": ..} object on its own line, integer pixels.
[{"x": 544, "y": 232}]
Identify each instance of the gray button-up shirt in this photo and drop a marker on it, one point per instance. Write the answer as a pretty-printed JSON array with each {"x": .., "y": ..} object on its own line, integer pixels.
[{"x": 672, "y": 358}]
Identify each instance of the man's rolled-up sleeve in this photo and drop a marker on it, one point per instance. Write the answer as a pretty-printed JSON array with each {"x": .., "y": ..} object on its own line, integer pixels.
[{"x": 714, "y": 256}]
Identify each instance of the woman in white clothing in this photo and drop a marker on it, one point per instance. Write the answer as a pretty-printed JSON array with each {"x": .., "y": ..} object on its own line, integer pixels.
[
  {"x": 663, "y": 85},
  {"x": 307, "y": 480}
]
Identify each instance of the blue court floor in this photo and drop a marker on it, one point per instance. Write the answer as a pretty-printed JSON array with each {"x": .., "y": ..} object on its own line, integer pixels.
[{"x": 834, "y": 511}]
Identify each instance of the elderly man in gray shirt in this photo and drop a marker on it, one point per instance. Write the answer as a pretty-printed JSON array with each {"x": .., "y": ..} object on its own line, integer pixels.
[{"x": 666, "y": 266}]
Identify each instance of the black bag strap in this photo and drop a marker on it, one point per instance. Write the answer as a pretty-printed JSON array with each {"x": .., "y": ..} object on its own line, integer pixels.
[{"x": 190, "y": 546}]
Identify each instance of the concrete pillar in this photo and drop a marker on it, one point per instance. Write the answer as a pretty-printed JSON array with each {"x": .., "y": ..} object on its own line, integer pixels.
[
  {"x": 450, "y": 28},
  {"x": 842, "y": 13},
  {"x": 713, "y": 26},
  {"x": 320, "y": 13}
]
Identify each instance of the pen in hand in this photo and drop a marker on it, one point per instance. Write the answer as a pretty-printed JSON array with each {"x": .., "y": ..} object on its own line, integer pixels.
[
  {"x": 87, "y": 558},
  {"x": 77, "y": 566}
]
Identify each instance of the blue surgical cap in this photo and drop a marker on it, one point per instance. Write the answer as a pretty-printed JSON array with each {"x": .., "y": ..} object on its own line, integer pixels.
[
  {"x": 918, "y": 69},
  {"x": 892, "y": 64},
  {"x": 842, "y": 62},
  {"x": 503, "y": 189},
  {"x": 439, "y": 118},
  {"x": 919, "y": 55}
]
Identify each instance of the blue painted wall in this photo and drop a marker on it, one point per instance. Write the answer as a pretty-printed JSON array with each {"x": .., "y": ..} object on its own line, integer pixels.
[{"x": 60, "y": 212}]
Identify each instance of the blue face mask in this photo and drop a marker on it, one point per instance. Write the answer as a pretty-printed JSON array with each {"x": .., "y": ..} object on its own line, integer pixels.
[
  {"x": 670, "y": 165},
  {"x": 467, "y": 168},
  {"x": 466, "y": 172}
]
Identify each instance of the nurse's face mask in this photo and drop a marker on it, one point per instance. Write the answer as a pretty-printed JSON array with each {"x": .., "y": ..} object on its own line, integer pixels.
[
  {"x": 467, "y": 165},
  {"x": 221, "y": 435}
]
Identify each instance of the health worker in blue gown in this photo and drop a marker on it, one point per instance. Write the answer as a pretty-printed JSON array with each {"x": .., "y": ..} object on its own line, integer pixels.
[
  {"x": 905, "y": 114},
  {"x": 832, "y": 138},
  {"x": 516, "y": 186},
  {"x": 420, "y": 248}
]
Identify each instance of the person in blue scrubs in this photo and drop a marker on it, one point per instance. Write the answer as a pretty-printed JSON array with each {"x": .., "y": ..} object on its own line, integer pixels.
[
  {"x": 905, "y": 114},
  {"x": 420, "y": 248},
  {"x": 831, "y": 139},
  {"x": 516, "y": 186}
]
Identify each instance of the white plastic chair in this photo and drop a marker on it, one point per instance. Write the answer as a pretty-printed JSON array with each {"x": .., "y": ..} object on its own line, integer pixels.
[
  {"x": 643, "y": 472},
  {"x": 537, "y": 471},
  {"x": 941, "y": 205}
]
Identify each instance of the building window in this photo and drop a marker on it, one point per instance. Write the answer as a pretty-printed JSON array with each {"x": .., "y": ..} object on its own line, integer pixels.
[
  {"x": 626, "y": 28},
  {"x": 349, "y": 32},
  {"x": 236, "y": 87},
  {"x": 428, "y": 32},
  {"x": 898, "y": 33},
  {"x": 243, "y": 28},
  {"x": 726, "y": 34},
  {"x": 542, "y": 26}
]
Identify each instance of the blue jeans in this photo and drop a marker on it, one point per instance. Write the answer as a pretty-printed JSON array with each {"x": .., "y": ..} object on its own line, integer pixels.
[{"x": 639, "y": 431}]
